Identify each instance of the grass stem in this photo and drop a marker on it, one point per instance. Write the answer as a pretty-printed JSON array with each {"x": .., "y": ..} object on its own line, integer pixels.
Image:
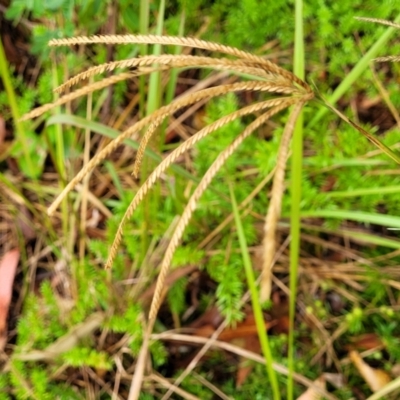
[
  {"x": 258, "y": 314},
  {"x": 295, "y": 192}
]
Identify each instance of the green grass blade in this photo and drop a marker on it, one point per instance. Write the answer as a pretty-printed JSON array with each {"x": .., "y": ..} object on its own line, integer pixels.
[
  {"x": 364, "y": 192},
  {"x": 295, "y": 192},
  {"x": 258, "y": 314},
  {"x": 31, "y": 171},
  {"x": 144, "y": 22},
  {"x": 155, "y": 89},
  {"x": 389, "y": 221},
  {"x": 385, "y": 149}
]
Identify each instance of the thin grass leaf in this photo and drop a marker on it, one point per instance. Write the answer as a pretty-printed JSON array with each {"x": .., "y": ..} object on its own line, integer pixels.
[
  {"x": 385, "y": 149},
  {"x": 258, "y": 314},
  {"x": 31, "y": 171},
  {"x": 389, "y": 221},
  {"x": 295, "y": 192}
]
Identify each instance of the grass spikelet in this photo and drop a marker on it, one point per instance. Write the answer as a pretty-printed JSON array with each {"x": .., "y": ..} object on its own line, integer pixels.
[
  {"x": 188, "y": 144},
  {"x": 179, "y": 41},
  {"x": 192, "y": 203},
  {"x": 379, "y": 21},
  {"x": 78, "y": 93},
  {"x": 163, "y": 111},
  {"x": 275, "y": 205},
  {"x": 176, "y": 61}
]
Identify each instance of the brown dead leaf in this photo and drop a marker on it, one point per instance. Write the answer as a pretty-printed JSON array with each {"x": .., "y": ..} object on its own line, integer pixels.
[
  {"x": 243, "y": 329},
  {"x": 311, "y": 393},
  {"x": 337, "y": 380},
  {"x": 367, "y": 341},
  {"x": 375, "y": 378},
  {"x": 8, "y": 268},
  {"x": 250, "y": 343},
  {"x": 210, "y": 317}
]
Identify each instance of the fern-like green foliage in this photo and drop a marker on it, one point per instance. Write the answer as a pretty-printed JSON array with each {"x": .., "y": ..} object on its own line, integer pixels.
[
  {"x": 176, "y": 296},
  {"x": 85, "y": 356},
  {"x": 229, "y": 274},
  {"x": 26, "y": 99}
]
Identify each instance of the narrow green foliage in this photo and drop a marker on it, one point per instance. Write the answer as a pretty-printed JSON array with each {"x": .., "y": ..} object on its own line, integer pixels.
[
  {"x": 128, "y": 321},
  {"x": 261, "y": 329},
  {"x": 295, "y": 193},
  {"x": 27, "y": 164},
  {"x": 158, "y": 353}
]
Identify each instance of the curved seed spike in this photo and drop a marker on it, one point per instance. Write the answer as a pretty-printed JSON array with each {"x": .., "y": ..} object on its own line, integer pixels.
[
  {"x": 173, "y": 61},
  {"x": 388, "y": 58},
  {"x": 274, "y": 209},
  {"x": 78, "y": 93},
  {"x": 192, "y": 204},
  {"x": 179, "y": 41},
  {"x": 72, "y": 81},
  {"x": 178, "y": 103},
  {"x": 197, "y": 96},
  {"x": 185, "y": 146},
  {"x": 379, "y": 21}
]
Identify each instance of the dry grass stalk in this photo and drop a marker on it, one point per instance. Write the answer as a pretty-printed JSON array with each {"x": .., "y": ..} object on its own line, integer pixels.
[
  {"x": 185, "y": 146},
  {"x": 161, "y": 112},
  {"x": 171, "y": 336},
  {"x": 177, "y": 61},
  {"x": 179, "y": 41},
  {"x": 192, "y": 203},
  {"x": 388, "y": 58},
  {"x": 387, "y": 23},
  {"x": 379, "y": 21},
  {"x": 78, "y": 93},
  {"x": 275, "y": 205},
  {"x": 197, "y": 96}
]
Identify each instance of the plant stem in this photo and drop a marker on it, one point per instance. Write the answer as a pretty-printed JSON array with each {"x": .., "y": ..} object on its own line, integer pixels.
[
  {"x": 258, "y": 315},
  {"x": 295, "y": 191},
  {"x": 19, "y": 127}
]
